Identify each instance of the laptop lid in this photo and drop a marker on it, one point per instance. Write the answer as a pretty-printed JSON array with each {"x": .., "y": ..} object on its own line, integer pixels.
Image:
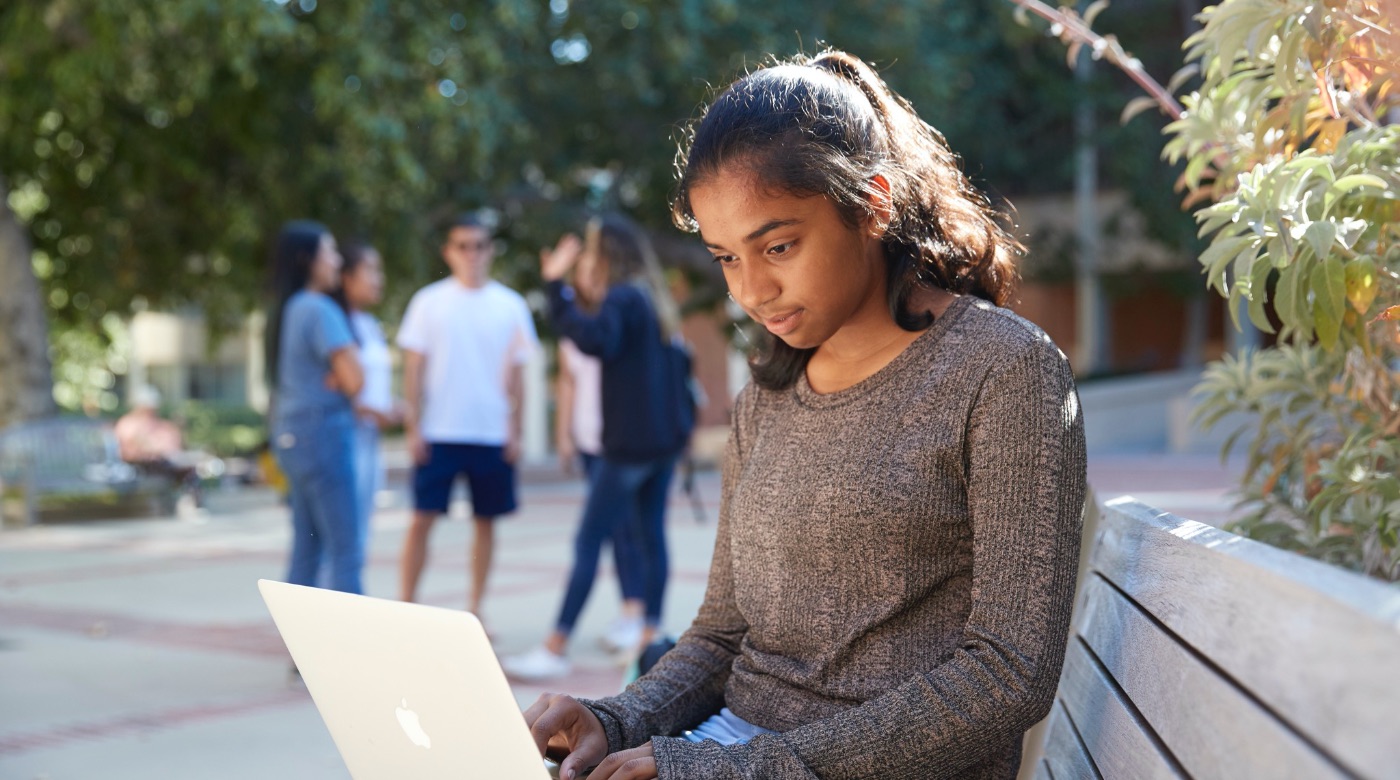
[{"x": 405, "y": 690}]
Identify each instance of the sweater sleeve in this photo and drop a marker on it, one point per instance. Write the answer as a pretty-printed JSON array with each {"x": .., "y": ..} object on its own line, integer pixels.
[
  {"x": 1025, "y": 463},
  {"x": 601, "y": 334},
  {"x": 687, "y": 685}
]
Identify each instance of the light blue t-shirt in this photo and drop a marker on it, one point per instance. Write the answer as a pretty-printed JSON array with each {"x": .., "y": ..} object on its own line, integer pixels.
[{"x": 313, "y": 328}]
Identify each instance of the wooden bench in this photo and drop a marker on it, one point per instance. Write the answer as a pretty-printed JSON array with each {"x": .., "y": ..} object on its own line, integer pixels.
[
  {"x": 1196, "y": 653},
  {"x": 69, "y": 466}
]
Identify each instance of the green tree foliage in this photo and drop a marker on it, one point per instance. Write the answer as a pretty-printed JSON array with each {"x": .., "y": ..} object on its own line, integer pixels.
[{"x": 151, "y": 149}]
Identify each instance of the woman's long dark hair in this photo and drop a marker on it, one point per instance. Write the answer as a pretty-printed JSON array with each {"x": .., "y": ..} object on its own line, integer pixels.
[
  {"x": 293, "y": 253},
  {"x": 827, "y": 125},
  {"x": 631, "y": 260}
]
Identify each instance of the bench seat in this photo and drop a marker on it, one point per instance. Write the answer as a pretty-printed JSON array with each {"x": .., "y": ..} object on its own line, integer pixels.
[{"x": 69, "y": 466}]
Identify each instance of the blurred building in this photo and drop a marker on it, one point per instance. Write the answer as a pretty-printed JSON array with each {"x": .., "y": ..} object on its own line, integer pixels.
[{"x": 174, "y": 353}]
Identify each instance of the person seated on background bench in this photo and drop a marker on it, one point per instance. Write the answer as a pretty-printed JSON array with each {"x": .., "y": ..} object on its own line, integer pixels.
[
  {"x": 898, "y": 539},
  {"x": 156, "y": 445}
]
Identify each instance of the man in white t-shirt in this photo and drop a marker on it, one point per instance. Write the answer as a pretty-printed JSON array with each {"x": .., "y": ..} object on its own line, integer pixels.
[{"x": 465, "y": 340}]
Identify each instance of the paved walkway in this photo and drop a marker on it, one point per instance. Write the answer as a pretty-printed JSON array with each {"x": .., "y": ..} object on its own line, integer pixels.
[{"x": 140, "y": 648}]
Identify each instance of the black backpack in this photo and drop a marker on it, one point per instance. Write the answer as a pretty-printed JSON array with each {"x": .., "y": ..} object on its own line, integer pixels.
[{"x": 682, "y": 393}]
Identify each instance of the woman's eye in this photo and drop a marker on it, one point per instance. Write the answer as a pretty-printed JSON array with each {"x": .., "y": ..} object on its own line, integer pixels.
[
  {"x": 780, "y": 249},
  {"x": 726, "y": 259}
]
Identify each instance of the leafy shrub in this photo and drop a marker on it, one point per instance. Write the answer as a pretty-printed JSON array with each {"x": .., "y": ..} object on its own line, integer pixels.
[
  {"x": 1289, "y": 137},
  {"x": 1290, "y": 140}
]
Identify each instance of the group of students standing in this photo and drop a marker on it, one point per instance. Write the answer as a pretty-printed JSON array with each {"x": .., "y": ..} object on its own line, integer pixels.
[{"x": 465, "y": 340}]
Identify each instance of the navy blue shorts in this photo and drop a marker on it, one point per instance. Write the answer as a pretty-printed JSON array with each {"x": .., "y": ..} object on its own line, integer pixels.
[{"x": 490, "y": 478}]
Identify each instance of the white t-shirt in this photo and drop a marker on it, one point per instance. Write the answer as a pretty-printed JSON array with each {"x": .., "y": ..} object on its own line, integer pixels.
[
  {"x": 469, "y": 338},
  {"x": 587, "y": 418},
  {"x": 378, "y": 392}
]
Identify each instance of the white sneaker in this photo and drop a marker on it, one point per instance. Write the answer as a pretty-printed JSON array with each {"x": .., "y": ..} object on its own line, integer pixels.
[
  {"x": 622, "y": 635},
  {"x": 537, "y": 665}
]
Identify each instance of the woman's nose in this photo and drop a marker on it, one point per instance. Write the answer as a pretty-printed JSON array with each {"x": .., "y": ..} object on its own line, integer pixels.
[{"x": 752, "y": 285}]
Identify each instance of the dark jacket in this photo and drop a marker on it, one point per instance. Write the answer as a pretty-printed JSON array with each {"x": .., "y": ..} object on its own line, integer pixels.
[{"x": 638, "y": 422}]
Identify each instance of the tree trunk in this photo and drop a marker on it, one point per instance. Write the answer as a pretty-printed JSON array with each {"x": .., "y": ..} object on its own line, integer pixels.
[{"x": 26, "y": 382}]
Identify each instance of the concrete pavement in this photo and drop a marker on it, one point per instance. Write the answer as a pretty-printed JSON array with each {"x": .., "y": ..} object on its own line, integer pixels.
[{"x": 140, "y": 648}]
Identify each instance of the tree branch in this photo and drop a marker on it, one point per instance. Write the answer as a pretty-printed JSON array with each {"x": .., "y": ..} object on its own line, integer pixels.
[{"x": 1075, "y": 32}]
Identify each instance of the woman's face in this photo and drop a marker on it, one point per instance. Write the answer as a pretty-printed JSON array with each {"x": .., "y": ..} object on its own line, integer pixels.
[
  {"x": 325, "y": 267},
  {"x": 364, "y": 284},
  {"x": 591, "y": 276},
  {"x": 791, "y": 262}
]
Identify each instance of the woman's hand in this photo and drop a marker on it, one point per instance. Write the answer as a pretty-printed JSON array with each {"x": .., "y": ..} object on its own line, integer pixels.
[
  {"x": 567, "y": 731},
  {"x": 556, "y": 263},
  {"x": 636, "y": 764}
]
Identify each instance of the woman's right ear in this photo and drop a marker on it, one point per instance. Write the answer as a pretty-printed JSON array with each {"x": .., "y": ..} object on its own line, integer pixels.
[{"x": 881, "y": 205}]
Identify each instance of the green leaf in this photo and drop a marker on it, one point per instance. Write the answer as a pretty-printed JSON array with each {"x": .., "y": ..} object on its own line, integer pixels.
[
  {"x": 1320, "y": 236},
  {"x": 1217, "y": 258},
  {"x": 1362, "y": 283},
  {"x": 1354, "y": 181},
  {"x": 1347, "y": 185},
  {"x": 1258, "y": 296},
  {"x": 1329, "y": 285},
  {"x": 1329, "y": 296},
  {"x": 1292, "y": 304}
]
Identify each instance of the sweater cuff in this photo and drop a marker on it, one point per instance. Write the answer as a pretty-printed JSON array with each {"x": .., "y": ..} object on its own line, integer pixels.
[
  {"x": 612, "y": 726},
  {"x": 674, "y": 754},
  {"x": 764, "y": 756}
]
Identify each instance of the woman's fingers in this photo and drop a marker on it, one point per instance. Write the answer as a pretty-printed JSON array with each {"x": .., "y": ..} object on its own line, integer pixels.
[
  {"x": 639, "y": 763},
  {"x": 559, "y": 724},
  {"x": 569, "y": 243},
  {"x": 533, "y": 712}
]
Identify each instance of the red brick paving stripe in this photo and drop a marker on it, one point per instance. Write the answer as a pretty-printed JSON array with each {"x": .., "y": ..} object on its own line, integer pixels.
[
  {"x": 257, "y": 638},
  {"x": 62, "y": 736},
  {"x": 135, "y": 568},
  {"x": 165, "y": 565}
]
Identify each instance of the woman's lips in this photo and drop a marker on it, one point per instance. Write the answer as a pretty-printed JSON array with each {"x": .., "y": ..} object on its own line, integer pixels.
[{"x": 784, "y": 324}]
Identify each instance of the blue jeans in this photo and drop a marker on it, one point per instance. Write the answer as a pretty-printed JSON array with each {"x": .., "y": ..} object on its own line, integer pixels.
[
  {"x": 369, "y": 473},
  {"x": 626, "y": 502},
  {"x": 630, "y": 566},
  {"x": 316, "y": 451}
]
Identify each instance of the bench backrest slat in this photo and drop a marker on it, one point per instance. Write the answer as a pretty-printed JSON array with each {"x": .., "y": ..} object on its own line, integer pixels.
[
  {"x": 1213, "y": 656},
  {"x": 1318, "y": 646},
  {"x": 1186, "y": 703},
  {"x": 1104, "y": 720},
  {"x": 1065, "y": 757}
]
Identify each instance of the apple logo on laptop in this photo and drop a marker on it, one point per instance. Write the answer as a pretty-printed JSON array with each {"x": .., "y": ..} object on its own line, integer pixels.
[{"x": 408, "y": 721}]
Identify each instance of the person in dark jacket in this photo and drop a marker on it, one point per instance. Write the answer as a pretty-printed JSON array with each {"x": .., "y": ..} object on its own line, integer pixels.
[{"x": 629, "y": 332}]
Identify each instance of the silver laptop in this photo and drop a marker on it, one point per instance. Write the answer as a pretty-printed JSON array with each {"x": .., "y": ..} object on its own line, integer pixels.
[{"x": 405, "y": 690}]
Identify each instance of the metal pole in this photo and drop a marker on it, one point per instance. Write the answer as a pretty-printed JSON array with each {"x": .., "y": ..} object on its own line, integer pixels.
[{"x": 1089, "y": 315}]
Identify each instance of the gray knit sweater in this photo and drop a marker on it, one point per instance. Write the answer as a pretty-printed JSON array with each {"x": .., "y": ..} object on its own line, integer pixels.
[{"x": 893, "y": 572}]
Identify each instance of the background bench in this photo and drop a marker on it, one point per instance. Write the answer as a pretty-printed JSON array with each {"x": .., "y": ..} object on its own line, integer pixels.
[
  {"x": 70, "y": 466},
  {"x": 1196, "y": 653}
]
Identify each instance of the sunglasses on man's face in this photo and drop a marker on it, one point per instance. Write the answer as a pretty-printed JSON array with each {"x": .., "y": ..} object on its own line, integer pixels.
[{"x": 472, "y": 246}]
